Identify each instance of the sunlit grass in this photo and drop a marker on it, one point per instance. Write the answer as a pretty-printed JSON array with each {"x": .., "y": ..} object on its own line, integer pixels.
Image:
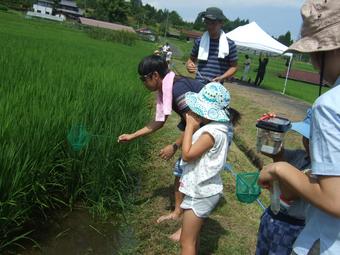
[{"x": 53, "y": 76}]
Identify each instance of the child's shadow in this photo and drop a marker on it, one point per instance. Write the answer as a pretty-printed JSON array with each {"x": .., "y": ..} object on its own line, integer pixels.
[
  {"x": 210, "y": 234},
  {"x": 168, "y": 194}
]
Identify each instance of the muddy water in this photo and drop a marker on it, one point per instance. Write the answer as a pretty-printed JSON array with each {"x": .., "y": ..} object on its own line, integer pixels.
[{"x": 77, "y": 233}]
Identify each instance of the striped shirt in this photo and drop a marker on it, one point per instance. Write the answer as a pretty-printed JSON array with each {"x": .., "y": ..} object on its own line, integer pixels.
[
  {"x": 180, "y": 87},
  {"x": 214, "y": 66}
]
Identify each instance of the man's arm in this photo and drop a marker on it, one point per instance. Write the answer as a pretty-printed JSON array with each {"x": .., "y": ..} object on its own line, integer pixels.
[
  {"x": 191, "y": 64},
  {"x": 229, "y": 73}
]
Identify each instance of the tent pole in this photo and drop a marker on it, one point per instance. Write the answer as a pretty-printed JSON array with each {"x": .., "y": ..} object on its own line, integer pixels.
[{"x": 287, "y": 73}]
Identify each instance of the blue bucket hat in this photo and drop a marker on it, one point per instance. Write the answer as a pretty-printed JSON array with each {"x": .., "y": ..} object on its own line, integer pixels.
[
  {"x": 303, "y": 127},
  {"x": 212, "y": 102}
]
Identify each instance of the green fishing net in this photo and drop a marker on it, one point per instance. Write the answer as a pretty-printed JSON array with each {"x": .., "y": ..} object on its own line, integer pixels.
[
  {"x": 247, "y": 190},
  {"x": 78, "y": 137}
]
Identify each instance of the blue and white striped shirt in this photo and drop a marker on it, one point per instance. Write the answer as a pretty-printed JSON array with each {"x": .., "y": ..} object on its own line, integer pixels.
[{"x": 214, "y": 66}]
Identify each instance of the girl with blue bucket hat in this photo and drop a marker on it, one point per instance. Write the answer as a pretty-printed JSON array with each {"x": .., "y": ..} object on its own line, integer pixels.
[{"x": 204, "y": 152}]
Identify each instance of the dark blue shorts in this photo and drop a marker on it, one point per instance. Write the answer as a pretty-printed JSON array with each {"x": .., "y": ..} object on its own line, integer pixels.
[{"x": 276, "y": 236}]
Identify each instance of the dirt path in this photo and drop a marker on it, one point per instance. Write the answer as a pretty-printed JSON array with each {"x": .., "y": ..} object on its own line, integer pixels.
[
  {"x": 176, "y": 51},
  {"x": 273, "y": 101},
  {"x": 252, "y": 102}
]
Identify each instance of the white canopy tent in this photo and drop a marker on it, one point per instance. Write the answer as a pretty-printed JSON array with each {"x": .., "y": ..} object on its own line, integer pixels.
[{"x": 252, "y": 36}]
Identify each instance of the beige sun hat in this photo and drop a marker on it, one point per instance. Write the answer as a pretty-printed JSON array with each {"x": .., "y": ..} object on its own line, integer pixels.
[{"x": 320, "y": 28}]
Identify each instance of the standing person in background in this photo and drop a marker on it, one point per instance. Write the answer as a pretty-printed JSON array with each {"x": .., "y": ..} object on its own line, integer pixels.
[
  {"x": 214, "y": 53},
  {"x": 261, "y": 70},
  {"x": 247, "y": 63},
  {"x": 320, "y": 37},
  {"x": 166, "y": 48},
  {"x": 168, "y": 56}
]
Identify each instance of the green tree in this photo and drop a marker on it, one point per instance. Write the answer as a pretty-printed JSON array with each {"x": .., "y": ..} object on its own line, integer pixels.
[
  {"x": 175, "y": 19},
  {"x": 285, "y": 39},
  {"x": 199, "y": 24},
  {"x": 230, "y": 25},
  {"x": 112, "y": 10}
]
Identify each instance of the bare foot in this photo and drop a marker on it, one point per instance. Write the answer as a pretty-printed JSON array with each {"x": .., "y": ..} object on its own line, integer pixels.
[
  {"x": 175, "y": 215},
  {"x": 176, "y": 236}
]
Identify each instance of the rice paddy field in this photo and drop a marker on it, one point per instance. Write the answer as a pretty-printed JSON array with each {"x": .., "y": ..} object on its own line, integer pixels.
[{"x": 53, "y": 77}]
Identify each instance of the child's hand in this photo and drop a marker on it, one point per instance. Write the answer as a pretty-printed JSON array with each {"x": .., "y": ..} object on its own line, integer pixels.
[
  {"x": 267, "y": 176},
  {"x": 125, "y": 138},
  {"x": 167, "y": 152},
  {"x": 193, "y": 120},
  {"x": 191, "y": 67},
  {"x": 218, "y": 79}
]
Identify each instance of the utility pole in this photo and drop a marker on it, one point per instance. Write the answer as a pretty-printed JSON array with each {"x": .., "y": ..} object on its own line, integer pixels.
[{"x": 166, "y": 24}]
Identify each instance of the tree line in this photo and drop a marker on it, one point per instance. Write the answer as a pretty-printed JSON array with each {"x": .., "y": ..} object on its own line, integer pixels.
[{"x": 137, "y": 14}]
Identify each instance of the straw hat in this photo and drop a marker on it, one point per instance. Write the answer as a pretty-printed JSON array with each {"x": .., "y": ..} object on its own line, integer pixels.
[
  {"x": 321, "y": 26},
  {"x": 212, "y": 102}
]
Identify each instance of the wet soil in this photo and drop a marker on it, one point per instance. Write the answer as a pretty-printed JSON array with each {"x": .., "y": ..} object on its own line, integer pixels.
[{"x": 75, "y": 233}]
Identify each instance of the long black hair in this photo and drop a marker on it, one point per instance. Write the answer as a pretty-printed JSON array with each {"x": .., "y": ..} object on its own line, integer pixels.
[
  {"x": 235, "y": 116},
  {"x": 153, "y": 63}
]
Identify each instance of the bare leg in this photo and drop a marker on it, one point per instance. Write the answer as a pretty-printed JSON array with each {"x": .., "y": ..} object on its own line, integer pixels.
[
  {"x": 176, "y": 236},
  {"x": 191, "y": 227},
  {"x": 176, "y": 214}
]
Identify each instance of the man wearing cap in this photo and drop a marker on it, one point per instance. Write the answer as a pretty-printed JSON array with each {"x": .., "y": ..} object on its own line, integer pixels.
[
  {"x": 214, "y": 53},
  {"x": 320, "y": 37}
]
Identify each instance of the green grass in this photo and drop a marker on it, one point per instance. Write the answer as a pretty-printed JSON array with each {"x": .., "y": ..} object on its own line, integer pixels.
[
  {"x": 276, "y": 65},
  {"x": 183, "y": 45},
  {"x": 51, "y": 77}
]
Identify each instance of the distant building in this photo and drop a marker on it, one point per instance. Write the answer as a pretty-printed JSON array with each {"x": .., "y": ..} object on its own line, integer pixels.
[
  {"x": 43, "y": 9},
  {"x": 107, "y": 25},
  {"x": 174, "y": 33},
  {"x": 69, "y": 9},
  {"x": 146, "y": 34},
  {"x": 191, "y": 35}
]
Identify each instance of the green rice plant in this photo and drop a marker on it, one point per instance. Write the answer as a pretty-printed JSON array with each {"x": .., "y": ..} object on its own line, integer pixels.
[
  {"x": 124, "y": 37},
  {"x": 51, "y": 77}
]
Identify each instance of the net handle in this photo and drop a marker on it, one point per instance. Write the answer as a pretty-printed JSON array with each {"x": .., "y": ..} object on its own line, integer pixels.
[{"x": 228, "y": 168}]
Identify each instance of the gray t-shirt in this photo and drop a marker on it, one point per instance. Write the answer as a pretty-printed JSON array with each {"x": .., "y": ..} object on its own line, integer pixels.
[{"x": 300, "y": 160}]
